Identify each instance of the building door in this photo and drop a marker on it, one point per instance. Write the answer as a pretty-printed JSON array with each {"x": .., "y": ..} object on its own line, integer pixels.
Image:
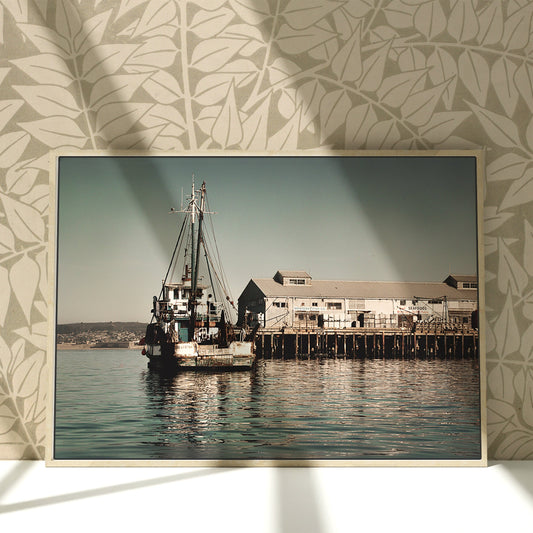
[
  {"x": 361, "y": 320},
  {"x": 405, "y": 321}
]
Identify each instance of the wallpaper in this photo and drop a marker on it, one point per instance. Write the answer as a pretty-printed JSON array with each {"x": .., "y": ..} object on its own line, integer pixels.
[{"x": 259, "y": 75}]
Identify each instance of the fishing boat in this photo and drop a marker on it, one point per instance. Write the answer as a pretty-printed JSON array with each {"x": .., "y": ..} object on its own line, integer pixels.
[{"x": 190, "y": 327}]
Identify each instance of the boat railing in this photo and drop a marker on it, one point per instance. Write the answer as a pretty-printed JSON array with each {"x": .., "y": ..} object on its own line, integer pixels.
[{"x": 211, "y": 317}]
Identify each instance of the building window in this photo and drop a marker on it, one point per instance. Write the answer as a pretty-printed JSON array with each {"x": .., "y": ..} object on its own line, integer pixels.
[
  {"x": 312, "y": 318},
  {"x": 334, "y": 305},
  {"x": 315, "y": 304},
  {"x": 300, "y": 317},
  {"x": 403, "y": 302},
  {"x": 296, "y": 281},
  {"x": 280, "y": 304},
  {"x": 435, "y": 301}
]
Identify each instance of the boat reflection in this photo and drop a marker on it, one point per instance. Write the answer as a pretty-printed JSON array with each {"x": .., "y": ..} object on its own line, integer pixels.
[
  {"x": 193, "y": 409},
  {"x": 315, "y": 409}
]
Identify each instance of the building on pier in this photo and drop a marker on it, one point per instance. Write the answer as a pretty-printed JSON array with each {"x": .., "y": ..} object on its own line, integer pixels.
[{"x": 293, "y": 299}]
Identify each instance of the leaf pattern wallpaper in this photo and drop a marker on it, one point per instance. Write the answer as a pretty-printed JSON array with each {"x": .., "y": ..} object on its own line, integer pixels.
[{"x": 276, "y": 75}]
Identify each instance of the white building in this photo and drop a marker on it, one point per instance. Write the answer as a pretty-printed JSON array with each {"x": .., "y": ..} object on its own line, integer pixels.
[{"x": 293, "y": 299}]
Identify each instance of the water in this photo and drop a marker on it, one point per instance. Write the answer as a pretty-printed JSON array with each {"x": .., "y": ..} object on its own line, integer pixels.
[{"x": 109, "y": 405}]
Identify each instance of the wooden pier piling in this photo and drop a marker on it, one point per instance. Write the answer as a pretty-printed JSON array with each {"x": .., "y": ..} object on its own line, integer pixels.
[{"x": 368, "y": 342}]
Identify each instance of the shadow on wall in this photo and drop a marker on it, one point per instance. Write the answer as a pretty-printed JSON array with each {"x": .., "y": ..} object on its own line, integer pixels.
[
  {"x": 15, "y": 476},
  {"x": 297, "y": 494},
  {"x": 520, "y": 475},
  {"x": 24, "y": 467},
  {"x": 417, "y": 212},
  {"x": 298, "y": 503},
  {"x": 298, "y": 506}
]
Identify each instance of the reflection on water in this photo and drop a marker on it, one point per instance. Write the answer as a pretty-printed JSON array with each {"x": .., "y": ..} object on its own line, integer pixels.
[{"x": 282, "y": 409}]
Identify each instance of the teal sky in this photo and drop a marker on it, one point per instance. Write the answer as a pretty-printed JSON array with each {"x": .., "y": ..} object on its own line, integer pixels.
[{"x": 356, "y": 218}]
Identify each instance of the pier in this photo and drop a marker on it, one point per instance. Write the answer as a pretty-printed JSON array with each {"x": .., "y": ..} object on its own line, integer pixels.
[{"x": 392, "y": 343}]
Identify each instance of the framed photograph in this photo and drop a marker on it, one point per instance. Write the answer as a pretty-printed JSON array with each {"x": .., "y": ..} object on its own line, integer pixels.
[{"x": 307, "y": 309}]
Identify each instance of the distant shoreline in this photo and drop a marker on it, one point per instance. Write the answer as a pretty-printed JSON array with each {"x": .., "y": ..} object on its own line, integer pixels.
[{"x": 67, "y": 346}]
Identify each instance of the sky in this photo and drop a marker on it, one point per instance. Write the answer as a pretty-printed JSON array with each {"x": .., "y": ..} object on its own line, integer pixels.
[{"x": 337, "y": 218}]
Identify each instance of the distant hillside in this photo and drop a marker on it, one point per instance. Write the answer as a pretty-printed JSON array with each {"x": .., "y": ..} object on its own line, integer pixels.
[{"x": 116, "y": 327}]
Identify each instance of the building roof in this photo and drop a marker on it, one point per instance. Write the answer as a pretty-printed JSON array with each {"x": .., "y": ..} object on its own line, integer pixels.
[
  {"x": 293, "y": 274},
  {"x": 462, "y": 278},
  {"x": 364, "y": 289}
]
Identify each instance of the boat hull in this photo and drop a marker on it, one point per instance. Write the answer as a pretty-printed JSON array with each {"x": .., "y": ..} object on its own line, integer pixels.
[{"x": 190, "y": 355}]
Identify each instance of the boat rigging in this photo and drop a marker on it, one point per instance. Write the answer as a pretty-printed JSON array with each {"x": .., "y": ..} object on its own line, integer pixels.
[{"x": 189, "y": 325}]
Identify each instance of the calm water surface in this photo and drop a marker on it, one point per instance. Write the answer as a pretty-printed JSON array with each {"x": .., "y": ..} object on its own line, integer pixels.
[{"x": 109, "y": 405}]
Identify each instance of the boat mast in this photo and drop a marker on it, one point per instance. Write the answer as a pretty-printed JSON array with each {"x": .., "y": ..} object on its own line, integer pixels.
[
  {"x": 193, "y": 221},
  {"x": 196, "y": 211},
  {"x": 199, "y": 239}
]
